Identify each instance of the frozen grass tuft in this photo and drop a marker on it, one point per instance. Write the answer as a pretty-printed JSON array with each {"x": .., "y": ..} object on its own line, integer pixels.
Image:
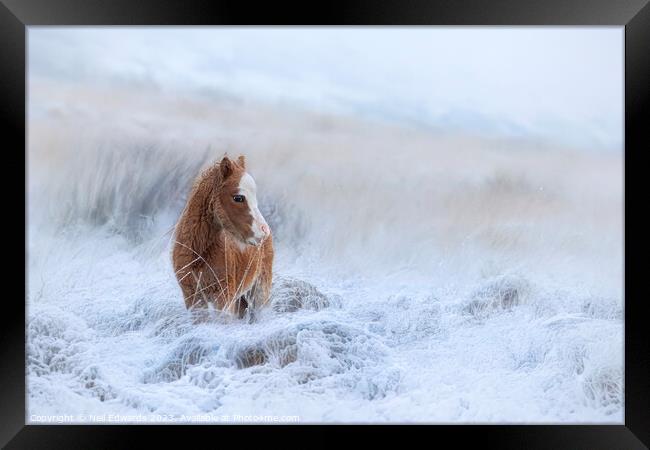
[
  {"x": 55, "y": 339},
  {"x": 291, "y": 294},
  {"x": 123, "y": 186},
  {"x": 603, "y": 387},
  {"x": 501, "y": 294}
]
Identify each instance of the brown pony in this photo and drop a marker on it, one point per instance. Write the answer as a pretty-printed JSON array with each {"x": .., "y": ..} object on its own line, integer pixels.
[{"x": 223, "y": 249}]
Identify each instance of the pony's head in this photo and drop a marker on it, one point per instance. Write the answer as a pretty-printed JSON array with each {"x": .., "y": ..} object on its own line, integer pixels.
[{"x": 236, "y": 200}]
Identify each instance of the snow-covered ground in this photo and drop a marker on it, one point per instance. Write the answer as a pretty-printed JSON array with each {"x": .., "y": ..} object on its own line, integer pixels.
[{"x": 420, "y": 276}]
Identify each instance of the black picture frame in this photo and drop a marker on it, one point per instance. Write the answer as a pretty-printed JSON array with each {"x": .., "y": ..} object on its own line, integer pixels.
[{"x": 633, "y": 15}]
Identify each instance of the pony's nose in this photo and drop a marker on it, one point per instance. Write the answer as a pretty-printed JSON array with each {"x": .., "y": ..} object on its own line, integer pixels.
[{"x": 265, "y": 229}]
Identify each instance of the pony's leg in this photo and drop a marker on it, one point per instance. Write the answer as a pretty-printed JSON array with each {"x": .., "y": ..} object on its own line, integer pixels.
[
  {"x": 197, "y": 306},
  {"x": 195, "y": 295},
  {"x": 192, "y": 302},
  {"x": 190, "y": 298},
  {"x": 242, "y": 307},
  {"x": 247, "y": 309},
  {"x": 259, "y": 293},
  {"x": 263, "y": 285}
]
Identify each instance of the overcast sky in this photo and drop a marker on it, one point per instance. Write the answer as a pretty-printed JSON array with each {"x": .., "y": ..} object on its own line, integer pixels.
[{"x": 556, "y": 83}]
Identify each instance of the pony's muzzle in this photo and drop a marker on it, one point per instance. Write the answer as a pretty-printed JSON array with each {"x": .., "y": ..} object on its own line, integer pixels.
[{"x": 261, "y": 231}]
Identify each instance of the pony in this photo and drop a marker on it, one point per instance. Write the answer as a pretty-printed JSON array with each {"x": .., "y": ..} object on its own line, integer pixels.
[{"x": 223, "y": 247}]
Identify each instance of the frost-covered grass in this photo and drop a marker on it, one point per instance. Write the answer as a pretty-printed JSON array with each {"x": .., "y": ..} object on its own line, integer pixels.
[{"x": 418, "y": 277}]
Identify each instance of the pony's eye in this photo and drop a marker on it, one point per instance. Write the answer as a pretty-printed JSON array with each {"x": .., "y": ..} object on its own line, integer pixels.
[{"x": 239, "y": 198}]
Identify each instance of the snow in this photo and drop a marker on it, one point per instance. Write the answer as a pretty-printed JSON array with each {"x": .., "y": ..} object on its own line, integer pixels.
[{"x": 110, "y": 334}]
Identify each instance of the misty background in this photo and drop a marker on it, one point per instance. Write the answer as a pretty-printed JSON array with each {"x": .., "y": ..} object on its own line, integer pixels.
[{"x": 564, "y": 86}]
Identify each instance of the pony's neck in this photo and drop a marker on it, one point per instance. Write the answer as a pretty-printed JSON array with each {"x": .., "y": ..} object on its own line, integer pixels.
[{"x": 200, "y": 225}]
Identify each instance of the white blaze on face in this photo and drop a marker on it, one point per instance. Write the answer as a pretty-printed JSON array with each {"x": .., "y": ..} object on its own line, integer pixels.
[{"x": 248, "y": 189}]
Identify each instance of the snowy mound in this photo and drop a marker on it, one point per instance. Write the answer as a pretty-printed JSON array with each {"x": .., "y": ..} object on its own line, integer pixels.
[
  {"x": 291, "y": 294},
  {"x": 502, "y": 294}
]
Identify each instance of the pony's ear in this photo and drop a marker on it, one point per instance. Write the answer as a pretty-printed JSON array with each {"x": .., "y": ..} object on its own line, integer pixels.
[
  {"x": 226, "y": 167},
  {"x": 241, "y": 161}
]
